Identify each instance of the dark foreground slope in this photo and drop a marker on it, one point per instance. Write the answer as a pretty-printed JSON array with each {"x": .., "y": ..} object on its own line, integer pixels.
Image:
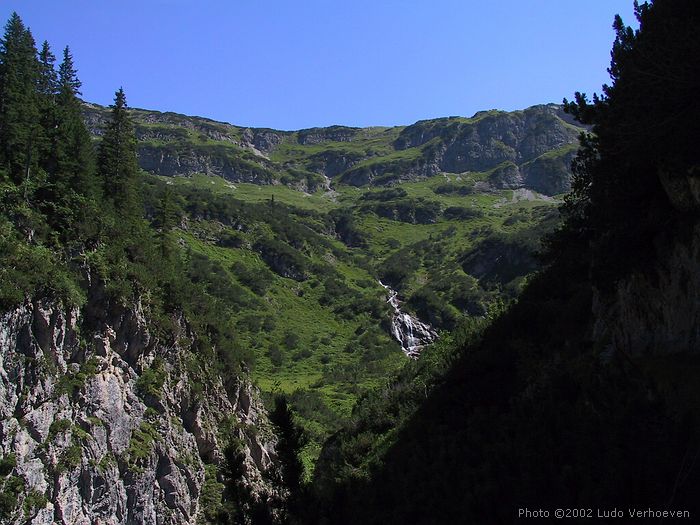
[{"x": 584, "y": 394}]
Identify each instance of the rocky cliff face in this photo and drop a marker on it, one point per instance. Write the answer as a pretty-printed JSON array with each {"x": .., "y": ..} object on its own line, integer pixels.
[
  {"x": 655, "y": 314},
  {"x": 113, "y": 424},
  {"x": 524, "y": 149},
  {"x": 333, "y": 163},
  {"x": 495, "y": 140},
  {"x": 492, "y": 137},
  {"x": 390, "y": 171},
  {"x": 171, "y": 144},
  {"x": 188, "y": 159}
]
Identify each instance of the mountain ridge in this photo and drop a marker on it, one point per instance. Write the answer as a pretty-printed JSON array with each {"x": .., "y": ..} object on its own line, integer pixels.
[{"x": 530, "y": 148}]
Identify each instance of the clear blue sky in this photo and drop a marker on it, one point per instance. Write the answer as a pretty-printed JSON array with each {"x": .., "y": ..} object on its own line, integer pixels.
[{"x": 296, "y": 64}]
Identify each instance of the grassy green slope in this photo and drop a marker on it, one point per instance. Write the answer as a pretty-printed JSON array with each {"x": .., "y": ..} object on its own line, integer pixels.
[
  {"x": 299, "y": 262},
  {"x": 324, "y": 339}
]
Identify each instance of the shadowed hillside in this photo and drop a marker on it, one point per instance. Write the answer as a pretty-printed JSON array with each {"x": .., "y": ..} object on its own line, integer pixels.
[{"x": 583, "y": 394}]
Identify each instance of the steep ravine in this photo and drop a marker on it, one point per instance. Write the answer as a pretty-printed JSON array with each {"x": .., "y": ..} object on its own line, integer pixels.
[{"x": 114, "y": 424}]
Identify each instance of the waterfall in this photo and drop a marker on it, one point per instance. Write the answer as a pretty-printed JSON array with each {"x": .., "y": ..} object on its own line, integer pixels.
[{"x": 410, "y": 332}]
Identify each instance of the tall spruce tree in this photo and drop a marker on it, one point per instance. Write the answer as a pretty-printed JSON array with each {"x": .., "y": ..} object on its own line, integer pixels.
[
  {"x": 48, "y": 78},
  {"x": 47, "y": 90},
  {"x": 68, "y": 82},
  {"x": 19, "y": 109},
  {"x": 74, "y": 154},
  {"x": 117, "y": 160},
  {"x": 72, "y": 165}
]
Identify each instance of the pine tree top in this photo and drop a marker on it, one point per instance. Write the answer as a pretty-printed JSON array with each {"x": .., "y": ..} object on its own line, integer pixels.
[
  {"x": 48, "y": 80},
  {"x": 68, "y": 75}
]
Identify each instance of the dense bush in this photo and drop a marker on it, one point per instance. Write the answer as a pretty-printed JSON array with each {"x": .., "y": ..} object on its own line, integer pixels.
[
  {"x": 347, "y": 230},
  {"x": 453, "y": 188},
  {"x": 230, "y": 239},
  {"x": 256, "y": 278},
  {"x": 432, "y": 309},
  {"x": 414, "y": 211},
  {"x": 461, "y": 213},
  {"x": 283, "y": 259}
]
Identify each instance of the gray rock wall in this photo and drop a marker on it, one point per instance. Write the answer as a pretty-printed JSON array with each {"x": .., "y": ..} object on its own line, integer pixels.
[
  {"x": 94, "y": 441},
  {"x": 187, "y": 160}
]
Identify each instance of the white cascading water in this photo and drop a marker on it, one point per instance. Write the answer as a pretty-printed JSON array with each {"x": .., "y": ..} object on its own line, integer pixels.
[{"x": 411, "y": 333}]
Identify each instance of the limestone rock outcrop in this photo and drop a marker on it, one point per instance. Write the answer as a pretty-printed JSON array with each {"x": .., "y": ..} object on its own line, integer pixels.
[{"x": 101, "y": 421}]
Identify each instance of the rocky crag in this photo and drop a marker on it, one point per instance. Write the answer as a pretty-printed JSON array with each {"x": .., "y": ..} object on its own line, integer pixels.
[{"x": 103, "y": 421}]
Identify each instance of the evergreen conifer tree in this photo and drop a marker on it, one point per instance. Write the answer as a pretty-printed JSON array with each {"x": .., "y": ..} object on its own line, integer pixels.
[
  {"x": 117, "y": 160},
  {"x": 68, "y": 82},
  {"x": 644, "y": 136},
  {"x": 68, "y": 197},
  {"x": 19, "y": 109},
  {"x": 48, "y": 79},
  {"x": 165, "y": 219},
  {"x": 47, "y": 89},
  {"x": 75, "y": 154}
]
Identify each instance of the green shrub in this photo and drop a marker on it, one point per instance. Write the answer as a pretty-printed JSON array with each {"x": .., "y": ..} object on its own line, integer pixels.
[
  {"x": 71, "y": 457},
  {"x": 275, "y": 355},
  {"x": 302, "y": 354},
  {"x": 151, "y": 381},
  {"x": 291, "y": 340},
  {"x": 257, "y": 279},
  {"x": 395, "y": 270},
  {"x": 230, "y": 239},
  {"x": 33, "y": 501},
  {"x": 461, "y": 213},
  {"x": 283, "y": 259},
  {"x": 12, "y": 488},
  {"x": 58, "y": 427},
  {"x": 212, "y": 492},
  {"x": 72, "y": 382},
  {"x": 141, "y": 442},
  {"x": 384, "y": 195},
  {"x": 452, "y": 188},
  {"x": 7, "y": 464}
]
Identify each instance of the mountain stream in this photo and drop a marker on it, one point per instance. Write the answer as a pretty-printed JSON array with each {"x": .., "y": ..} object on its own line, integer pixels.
[{"x": 410, "y": 332}]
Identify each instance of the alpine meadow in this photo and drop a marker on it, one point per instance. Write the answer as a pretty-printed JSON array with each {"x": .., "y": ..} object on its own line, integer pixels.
[{"x": 479, "y": 320}]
